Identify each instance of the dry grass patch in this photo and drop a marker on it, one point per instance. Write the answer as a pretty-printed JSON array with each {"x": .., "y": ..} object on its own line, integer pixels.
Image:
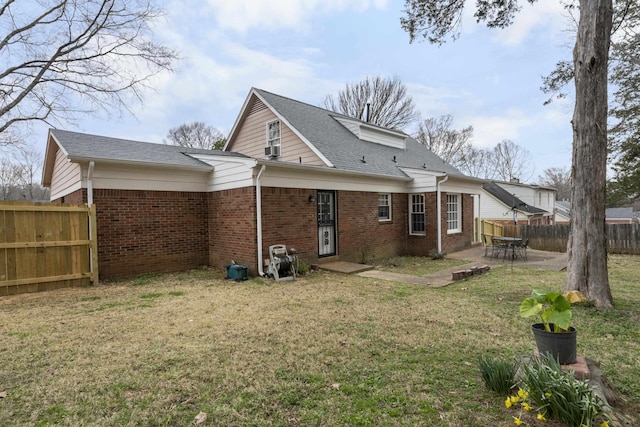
[{"x": 326, "y": 349}]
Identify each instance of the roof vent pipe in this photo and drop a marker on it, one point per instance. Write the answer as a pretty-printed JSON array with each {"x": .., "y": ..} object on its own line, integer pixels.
[{"x": 368, "y": 116}]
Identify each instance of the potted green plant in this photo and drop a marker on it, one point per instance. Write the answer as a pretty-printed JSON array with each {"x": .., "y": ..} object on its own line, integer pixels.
[{"x": 554, "y": 333}]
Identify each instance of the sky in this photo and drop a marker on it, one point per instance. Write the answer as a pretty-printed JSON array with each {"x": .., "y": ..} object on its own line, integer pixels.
[{"x": 306, "y": 49}]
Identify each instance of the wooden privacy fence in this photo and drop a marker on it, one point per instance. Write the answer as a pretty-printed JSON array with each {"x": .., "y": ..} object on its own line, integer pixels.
[
  {"x": 45, "y": 247},
  {"x": 621, "y": 238}
]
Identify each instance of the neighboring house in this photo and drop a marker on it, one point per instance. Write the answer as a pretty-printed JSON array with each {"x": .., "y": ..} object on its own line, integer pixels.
[
  {"x": 612, "y": 215},
  {"x": 510, "y": 202},
  {"x": 563, "y": 212},
  {"x": 330, "y": 186},
  {"x": 619, "y": 216}
]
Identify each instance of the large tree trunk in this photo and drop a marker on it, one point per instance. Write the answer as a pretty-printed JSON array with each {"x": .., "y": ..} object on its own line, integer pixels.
[{"x": 587, "y": 267}]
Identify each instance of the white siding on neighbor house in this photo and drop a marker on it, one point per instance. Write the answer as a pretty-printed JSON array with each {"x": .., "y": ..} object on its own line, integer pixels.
[
  {"x": 493, "y": 210},
  {"x": 66, "y": 177},
  {"x": 135, "y": 177},
  {"x": 251, "y": 139}
]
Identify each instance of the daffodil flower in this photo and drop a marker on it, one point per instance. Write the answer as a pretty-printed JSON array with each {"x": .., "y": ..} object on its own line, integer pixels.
[
  {"x": 517, "y": 421},
  {"x": 507, "y": 402},
  {"x": 604, "y": 424},
  {"x": 523, "y": 394},
  {"x": 541, "y": 417},
  {"x": 526, "y": 406},
  {"x": 547, "y": 394}
]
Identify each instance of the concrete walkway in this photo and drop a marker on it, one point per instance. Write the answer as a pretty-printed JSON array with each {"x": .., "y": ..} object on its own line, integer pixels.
[{"x": 539, "y": 260}]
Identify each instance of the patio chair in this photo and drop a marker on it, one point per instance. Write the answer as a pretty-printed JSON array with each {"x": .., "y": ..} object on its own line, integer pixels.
[
  {"x": 487, "y": 246},
  {"x": 521, "y": 249},
  {"x": 499, "y": 247}
]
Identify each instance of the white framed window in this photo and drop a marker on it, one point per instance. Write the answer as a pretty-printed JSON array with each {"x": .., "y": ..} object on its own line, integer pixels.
[
  {"x": 416, "y": 214},
  {"x": 454, "y": 213},
  {"x": 273, "y": 137},
  {"x": 384, "y": 207}
]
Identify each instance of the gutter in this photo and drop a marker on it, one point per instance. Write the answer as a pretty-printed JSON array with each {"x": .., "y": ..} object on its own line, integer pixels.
[
  {"x": 439, "y": 211},
  {"x": 259, "y": 219}
]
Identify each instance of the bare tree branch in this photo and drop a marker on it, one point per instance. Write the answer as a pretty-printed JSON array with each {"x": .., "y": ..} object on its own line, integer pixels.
[
  {"x": 390, "y": 106},
  {"x": 65, "y": 57}
]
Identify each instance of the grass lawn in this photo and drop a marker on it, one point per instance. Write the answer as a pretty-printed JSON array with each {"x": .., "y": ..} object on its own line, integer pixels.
[{"x": 324, "y": 350}]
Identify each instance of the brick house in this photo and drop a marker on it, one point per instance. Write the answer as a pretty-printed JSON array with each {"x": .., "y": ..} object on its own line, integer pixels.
[{"x": 330, "y": 186}]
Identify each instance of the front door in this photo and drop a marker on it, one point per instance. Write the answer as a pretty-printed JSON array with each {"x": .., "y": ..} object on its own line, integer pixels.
[{"x": 326, "y": 223}]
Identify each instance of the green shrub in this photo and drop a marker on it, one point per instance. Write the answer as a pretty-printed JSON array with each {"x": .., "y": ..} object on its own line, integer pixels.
[
  {"x": 559, "y": 394},
  {"x": 498, "y": 375},
  {"x": 302, "y": 267},
  {"x": 435, "y": 254}
]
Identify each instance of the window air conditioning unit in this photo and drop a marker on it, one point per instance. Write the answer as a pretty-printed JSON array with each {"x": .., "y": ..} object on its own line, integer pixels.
[{"x": 272, "y": 151}]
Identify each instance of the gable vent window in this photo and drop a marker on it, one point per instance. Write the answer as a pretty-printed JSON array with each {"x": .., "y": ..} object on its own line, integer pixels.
[{"x": 273, "y": 139}]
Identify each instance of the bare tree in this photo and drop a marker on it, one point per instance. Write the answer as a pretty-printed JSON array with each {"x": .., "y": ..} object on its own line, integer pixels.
[
  {"x": 558, "y": 178},
  {"x": 448, "y": 143},
  {"x": 511, "y": 161},
  {"x": 196, "y": 135},
  {"x": 19, "y": 172},
  {"x": 477, "y": 162},
  {"x": 10, "y": 178},
  {"x": 389, "y": 104},
  {"x": 434, "y": 20},
  {"x": 64, "y": 57}
]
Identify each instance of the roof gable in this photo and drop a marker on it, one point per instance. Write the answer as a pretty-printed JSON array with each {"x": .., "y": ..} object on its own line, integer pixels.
[{"x": 325, "y": 132}]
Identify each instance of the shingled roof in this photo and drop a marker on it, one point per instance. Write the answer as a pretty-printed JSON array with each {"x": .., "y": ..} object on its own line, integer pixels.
[
  {"x": 510, "y": 200},
  {"x": 345, "y": 150},
  {"x": 82, "y": 146}
]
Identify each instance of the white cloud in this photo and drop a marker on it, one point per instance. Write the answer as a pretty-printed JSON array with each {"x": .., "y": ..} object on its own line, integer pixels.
[
  {"x": 488, "y": 131},
  {"x": 242, "y": 15},
  {"x": 543, "y": 13}
]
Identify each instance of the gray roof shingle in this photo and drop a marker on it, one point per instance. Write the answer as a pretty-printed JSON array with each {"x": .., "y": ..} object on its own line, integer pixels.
[
  {"x": 345, "y": 150},
  {"x": 82, "y": 146},
  {"x": 509, "y": 199}
]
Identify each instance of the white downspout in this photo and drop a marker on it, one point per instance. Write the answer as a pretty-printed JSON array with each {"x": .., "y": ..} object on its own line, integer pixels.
[
  {"x": 90, "y": 183},
  {"x": 89, "y": 203},
  {"x": 259, "y": 219},
  {"x": 439, "y": 212}
]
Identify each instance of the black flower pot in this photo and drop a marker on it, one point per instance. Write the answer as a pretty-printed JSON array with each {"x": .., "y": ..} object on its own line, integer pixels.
[{"x": 561, "y": 345}]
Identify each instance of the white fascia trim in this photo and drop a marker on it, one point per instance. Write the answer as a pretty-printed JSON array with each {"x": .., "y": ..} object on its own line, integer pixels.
[
  {"x": 325, "y": 169},
  {"x": 294, "y": 130}
]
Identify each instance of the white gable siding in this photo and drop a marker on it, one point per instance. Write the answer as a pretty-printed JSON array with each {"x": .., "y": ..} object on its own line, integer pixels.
[
  {"x": 251, "y": 138},
  {"x": 228, "y": 173},
  {"x": 423, "y": 181},
  {"x": 381, "y": 137},
  {"x": 66, "y": 177}
]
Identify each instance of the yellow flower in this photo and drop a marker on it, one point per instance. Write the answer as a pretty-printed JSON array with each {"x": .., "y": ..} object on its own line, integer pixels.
[
  {"x": 604, "y": 424},
  {"x": 507, "y": 402},
  {"x": 517, "y": 421},
  {"x": 526, "y": 406},
  {"x": 547, "y": 394},
  {"x": 541, "y": 417},
  {"x": 523, "y": 394},
  {"x": 515, "y": 399}
]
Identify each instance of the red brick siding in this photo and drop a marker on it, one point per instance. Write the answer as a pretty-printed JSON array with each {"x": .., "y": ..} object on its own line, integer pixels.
[
  {"x": 78, "y": 197},
  {"x": 150, "y": 231},
  {"x": 458, "y": 241},
  {"x": 361, "y": 236},
  {"x": 232, "y": 228},
  {"x": 422, "y": 245},
  {"x": 289, "y": 218}
]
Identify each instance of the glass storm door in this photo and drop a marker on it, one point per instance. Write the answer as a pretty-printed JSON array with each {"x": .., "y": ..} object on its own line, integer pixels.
[{"x": 326, "y": 223}]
